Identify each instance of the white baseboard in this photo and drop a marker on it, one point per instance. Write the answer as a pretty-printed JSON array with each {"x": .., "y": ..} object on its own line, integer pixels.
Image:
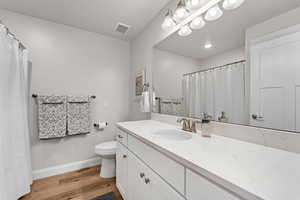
[{"x": 60, "y": 169}]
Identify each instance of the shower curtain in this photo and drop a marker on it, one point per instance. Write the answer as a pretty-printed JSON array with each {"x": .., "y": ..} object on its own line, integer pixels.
[
  {"x": 216, "y": 91},
  {"x": 15, "y": 161}
]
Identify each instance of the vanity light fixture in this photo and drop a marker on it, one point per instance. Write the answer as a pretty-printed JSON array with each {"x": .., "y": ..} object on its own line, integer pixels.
[
  {"x": 184, "y": 31},
  {"x": 181, "y": 11},
  {"x": 213, "y": 13},
  {"x": 197, "y": 23},
  {"x": 168, "y": 21},
  {"x": 232, "y": 4},
  {"x": 185, "y": 8}
]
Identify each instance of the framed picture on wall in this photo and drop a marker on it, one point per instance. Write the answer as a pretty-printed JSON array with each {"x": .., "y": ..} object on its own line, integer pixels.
[{"x": 140, "y": 80}]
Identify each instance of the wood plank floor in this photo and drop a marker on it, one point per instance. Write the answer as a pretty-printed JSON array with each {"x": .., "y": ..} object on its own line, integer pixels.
[{"x": 83, "y": 184}]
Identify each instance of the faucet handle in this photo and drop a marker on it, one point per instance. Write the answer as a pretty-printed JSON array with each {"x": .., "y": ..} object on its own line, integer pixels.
[
  {"x": 193, "y": 127},
  {"x": 179, "y": 120}
]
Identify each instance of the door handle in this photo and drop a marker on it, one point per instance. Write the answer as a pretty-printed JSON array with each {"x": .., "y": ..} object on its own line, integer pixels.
[
  {"x": 257, "y": 118},
  {"x": 124, "y": 156}
]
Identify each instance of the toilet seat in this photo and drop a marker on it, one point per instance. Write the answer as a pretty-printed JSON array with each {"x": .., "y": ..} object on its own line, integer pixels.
[{"x": 106, "y": 148}]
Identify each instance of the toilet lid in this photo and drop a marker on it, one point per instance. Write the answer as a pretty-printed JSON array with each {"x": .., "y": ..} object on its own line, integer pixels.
[{"x": 106, "y": 147}]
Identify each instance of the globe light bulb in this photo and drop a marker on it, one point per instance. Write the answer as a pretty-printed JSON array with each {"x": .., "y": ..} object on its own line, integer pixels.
[
  {"x": 197, "y": 23},
  {"x": 213, "y": 13},
  {"x": 195, "y": 2},
  {"x": 184, "y": 31},
  {"x": 232, "y": 4},
  {"x": 180, "y": 13},
  {"x": 168, "y": 23}
]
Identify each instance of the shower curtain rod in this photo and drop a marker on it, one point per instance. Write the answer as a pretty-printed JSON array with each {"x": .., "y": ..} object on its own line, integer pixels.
[
  {"x": 13, "y": 35},
  {"x": 205, "y": 70}
]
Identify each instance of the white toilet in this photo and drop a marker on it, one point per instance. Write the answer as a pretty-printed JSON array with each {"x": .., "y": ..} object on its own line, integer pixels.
[{"x": 107, "y": 151}]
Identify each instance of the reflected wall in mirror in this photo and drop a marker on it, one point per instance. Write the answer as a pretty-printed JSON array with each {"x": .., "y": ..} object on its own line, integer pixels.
[{"x": 221, "y": 71}]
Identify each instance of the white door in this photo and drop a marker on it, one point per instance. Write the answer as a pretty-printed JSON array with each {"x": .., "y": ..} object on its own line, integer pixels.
[
  {"x": 122, "y": 169},
  {"x": 275, "y": 83}
]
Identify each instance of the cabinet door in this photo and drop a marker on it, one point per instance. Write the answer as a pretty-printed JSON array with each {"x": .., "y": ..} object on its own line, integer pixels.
[
  {"x": 198, "y": 187},
  {"x": 137, "y": 188},
  {"x": 144, "y": 184},
  {"x": 122, "y": 169},
  {"x": 160, "y": 190}
]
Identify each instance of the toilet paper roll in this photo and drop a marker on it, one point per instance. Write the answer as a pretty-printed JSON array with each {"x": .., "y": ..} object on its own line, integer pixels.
[{"x": 101, "y": 125}]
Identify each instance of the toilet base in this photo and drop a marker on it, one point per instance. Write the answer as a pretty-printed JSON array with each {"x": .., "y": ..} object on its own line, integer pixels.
[{"x": 108, "y": 168}]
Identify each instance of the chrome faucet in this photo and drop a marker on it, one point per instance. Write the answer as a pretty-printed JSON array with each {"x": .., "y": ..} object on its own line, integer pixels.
[{"x": 188, "y": 124}]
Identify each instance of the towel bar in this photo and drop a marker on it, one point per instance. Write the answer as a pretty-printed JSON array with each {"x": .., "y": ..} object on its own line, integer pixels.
[{"x": 35, "y": 96}]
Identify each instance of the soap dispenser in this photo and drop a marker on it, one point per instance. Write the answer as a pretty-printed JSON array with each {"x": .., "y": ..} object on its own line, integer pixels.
[{"x": 206, "y": 125}]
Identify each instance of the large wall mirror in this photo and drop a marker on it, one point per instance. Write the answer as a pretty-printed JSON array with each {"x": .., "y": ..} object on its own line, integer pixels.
[{"x": 213, "y": 71}]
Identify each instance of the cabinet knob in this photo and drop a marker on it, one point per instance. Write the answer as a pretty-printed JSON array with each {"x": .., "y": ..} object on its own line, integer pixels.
[
  {"x": 124, "y": 156},
  {"x": 147, "y": 180},
  {"x": 142, "y": 174}
]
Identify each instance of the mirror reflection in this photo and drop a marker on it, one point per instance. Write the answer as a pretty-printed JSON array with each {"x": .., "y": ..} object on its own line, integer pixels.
[{"x": 223, "y": 64}]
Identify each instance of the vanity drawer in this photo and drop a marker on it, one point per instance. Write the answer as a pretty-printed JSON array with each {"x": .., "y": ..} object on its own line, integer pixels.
[
  {"x": 121, "y": 137},
  {"x": 198, "y": 187},
  {"x": 168, "y": 169}
]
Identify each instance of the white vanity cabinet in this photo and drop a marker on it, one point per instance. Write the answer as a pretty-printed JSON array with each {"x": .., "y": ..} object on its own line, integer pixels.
[
  {"x": 136, "y": 180},
  {"x": 144, "y": 173}
]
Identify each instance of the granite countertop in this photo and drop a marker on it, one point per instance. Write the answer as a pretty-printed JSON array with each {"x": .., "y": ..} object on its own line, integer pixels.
[{"x": 251, "y": 171}]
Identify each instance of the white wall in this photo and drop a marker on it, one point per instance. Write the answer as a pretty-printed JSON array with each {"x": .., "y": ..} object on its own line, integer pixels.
[
  {"x": 73, "y": 62},
  {"x": 168, "y": 69},
  {"x": 224, "y": 58},
  {"x": 280, "y": 22}
]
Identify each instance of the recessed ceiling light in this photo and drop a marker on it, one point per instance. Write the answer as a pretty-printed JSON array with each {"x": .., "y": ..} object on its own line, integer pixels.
[{"x": 208, "y": 46}]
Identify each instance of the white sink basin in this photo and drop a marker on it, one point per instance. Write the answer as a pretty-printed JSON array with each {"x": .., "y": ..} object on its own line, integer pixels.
[{"x": 172, "y": 134}]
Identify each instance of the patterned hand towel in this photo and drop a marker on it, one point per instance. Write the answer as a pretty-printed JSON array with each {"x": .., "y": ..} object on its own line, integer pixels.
[
  {"x": 78, "y": 118},
  {"x": 52, "y": 117}
]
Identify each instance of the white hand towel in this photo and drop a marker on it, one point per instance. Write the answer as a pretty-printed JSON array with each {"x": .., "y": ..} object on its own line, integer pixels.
[{"x": 145, "y": 102}]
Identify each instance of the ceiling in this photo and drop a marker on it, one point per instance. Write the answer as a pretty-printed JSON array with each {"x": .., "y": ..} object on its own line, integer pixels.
[
  {"x": 93, "y": 15},
  {"x": 229, "y": 31}
]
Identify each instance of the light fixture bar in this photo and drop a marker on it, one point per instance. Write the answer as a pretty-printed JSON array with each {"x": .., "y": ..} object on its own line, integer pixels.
[{"x": 184, "y": 16}]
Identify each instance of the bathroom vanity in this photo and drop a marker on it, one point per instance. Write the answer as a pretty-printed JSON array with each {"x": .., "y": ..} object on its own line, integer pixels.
[{"x": 159, "y": 161}]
